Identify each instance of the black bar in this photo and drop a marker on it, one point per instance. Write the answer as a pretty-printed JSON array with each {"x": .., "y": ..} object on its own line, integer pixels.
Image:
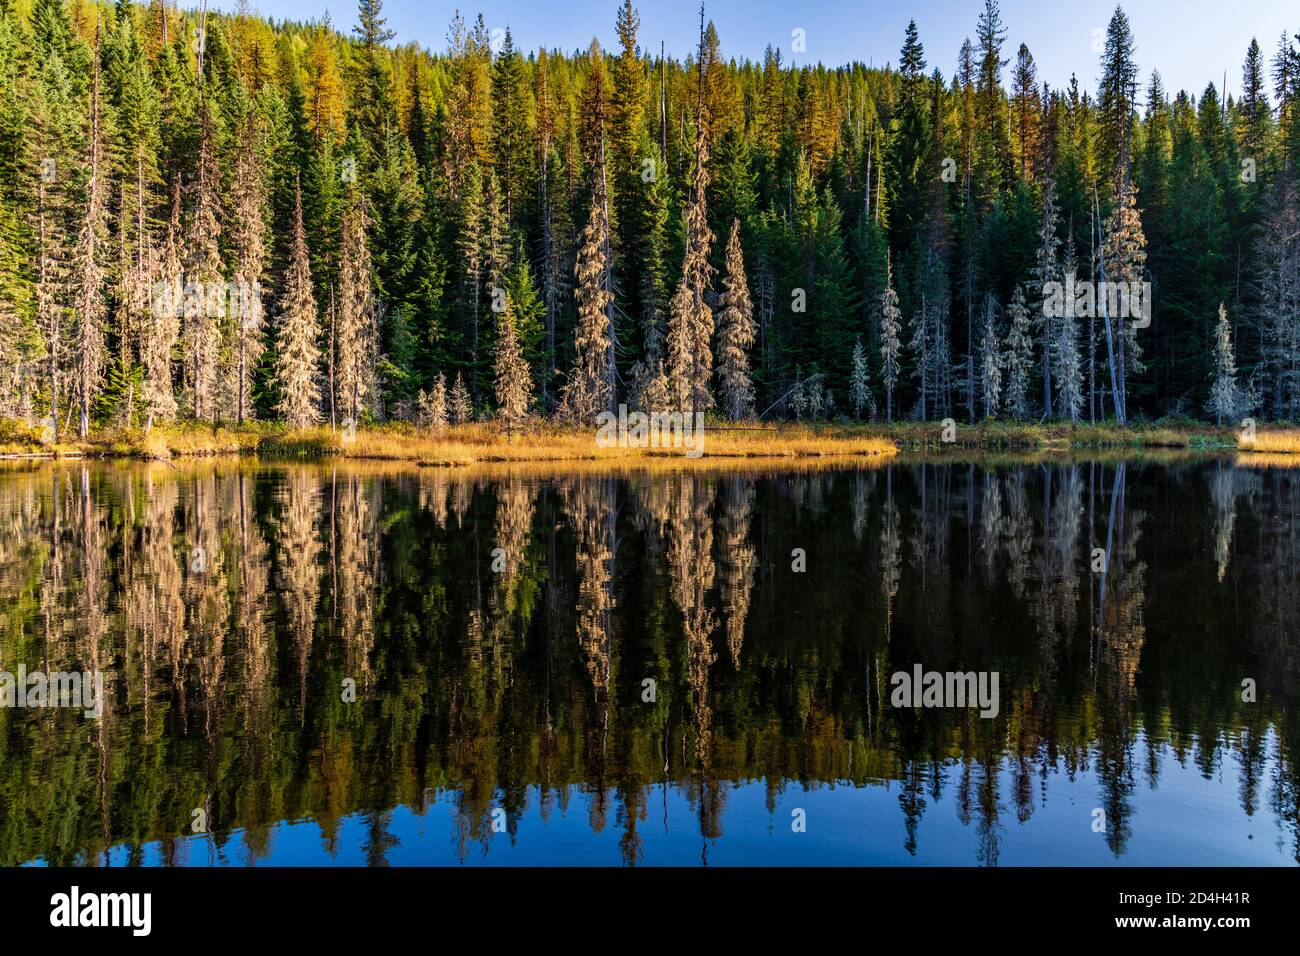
[{"x": 378, "y": 905}]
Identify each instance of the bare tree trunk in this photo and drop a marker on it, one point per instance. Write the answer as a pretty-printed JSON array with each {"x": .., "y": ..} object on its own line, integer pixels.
[
  {"x": 333, "y": 411},
  {"x": 1114, "y": 362}
]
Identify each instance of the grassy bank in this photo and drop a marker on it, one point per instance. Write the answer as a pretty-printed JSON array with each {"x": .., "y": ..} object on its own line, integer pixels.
[
  {"x": 1012, "y": 436},
  {"x": 545, "y": 442},
  {"x": 1272, "y": 441},
  {"x": 457, "y": 445}
]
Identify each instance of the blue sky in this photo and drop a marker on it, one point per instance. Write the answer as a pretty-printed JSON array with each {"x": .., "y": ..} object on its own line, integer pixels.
[{"x": 1191, "y": 42}]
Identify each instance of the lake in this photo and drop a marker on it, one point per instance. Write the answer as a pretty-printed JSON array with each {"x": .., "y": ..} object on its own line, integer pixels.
[{"x": 369, "y": 664}]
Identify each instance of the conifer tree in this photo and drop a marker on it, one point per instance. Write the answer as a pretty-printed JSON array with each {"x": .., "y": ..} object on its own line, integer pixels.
[
  {"x": 164, "y": 316},
  {"x": 1226, "y": 400},
  {"x": 990, "y": 360},
  {"x": 514, "y": 386},
  {"x": 204, "y": 276},
  {"x": 460, "y": 409},
  {"x": 587, "y": 392},
  {"x": 1019, "y": 356},
  {"x": 891, "y": 348},
  {"x": 992, "y": 147},
  {"x": 297, "y": 359},
  {"x": 510, "y": 141},
  {"x": 1123, "y": 260},
  {"x": 596, "y": 108},
  {"x": 1115, "y": 98},
  {"x": 326, "y": 98},
  {"x": 89, "y": 302},
  {"x": 735, "y": 333},
  {"x": 1067, "y": 363},
  {"x": 470, "y": 242},
  {"x": 374, "y": 107},
  {"x": 551, "y": 252},
  {"x": 55, "y": 128},
  {"x": 357, "y": 335},
  {"x": 1278, "y": 319},
  {"x": 435, "y": 408},
  {"x": 250, "y": 240},
  {"x": 495, "y": 253},
  {"x": 690, "y": 323},
  {"x": 860, "y": 384},
  {"x": 137, "y": 119},
  {"x": 649, "y": 369},
  {"x": 799, "y": 396},
  {"x": 1026, "y": 112},
  {"x": 920, "y": 346},
  {"x": 1046, "y": 269},
  {"x": 630, "y": 150}
]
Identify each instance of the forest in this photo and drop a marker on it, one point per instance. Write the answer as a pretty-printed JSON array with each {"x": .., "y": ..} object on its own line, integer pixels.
[{"x": 218, "y": 218}]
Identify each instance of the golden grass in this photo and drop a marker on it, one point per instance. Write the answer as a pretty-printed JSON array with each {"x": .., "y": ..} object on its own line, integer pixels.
[
  {"x": 479, "y": 443},
  {"x": 1273, "y": 441},
  {"x": 998, "y": 435},
  {"x": 486, "y": 442}
]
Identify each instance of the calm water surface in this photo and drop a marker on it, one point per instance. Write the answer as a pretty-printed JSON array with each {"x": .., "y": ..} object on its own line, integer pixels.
[{"x": 628, "y": 669}]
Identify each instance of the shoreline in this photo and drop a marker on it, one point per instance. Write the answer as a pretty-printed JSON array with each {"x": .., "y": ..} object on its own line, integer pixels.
[{"x": 486, "y": 443}]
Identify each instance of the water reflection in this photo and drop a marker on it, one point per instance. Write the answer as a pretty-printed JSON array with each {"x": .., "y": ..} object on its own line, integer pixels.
[{"x": 332, "y": 663}]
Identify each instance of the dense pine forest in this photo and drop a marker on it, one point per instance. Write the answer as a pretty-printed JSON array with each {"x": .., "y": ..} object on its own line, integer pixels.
[{"x": 218, "y": 218}]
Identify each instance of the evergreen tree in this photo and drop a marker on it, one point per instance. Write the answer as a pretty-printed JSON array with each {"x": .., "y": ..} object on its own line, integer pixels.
[
  {"x": 992, "y": 146},
  {"x": 1226, "y": 401},
  {"x": 1047, "y": 270},
  {"x": 595, "y": 113},
  {"x": 510, "y": 144},
  {"x": 434, "y": 406},
  {"x": 159, "y": 339},
  {"x": 1026, "y": 112},
  {"x": 514, "y": 386},
  {"x": 89, "y": 271},
  {"x": 891, "y": 349},
  {"x": 250, "y": 240},
  {"x": 374, "y": 107},
  {"x": 470, "y": 241},
  {"x": 1019, "y": 356},
  {"x": 690, "y": 324},
  {"x": 1278, "y": 319},
  {"x": 860, "y": 384},
  {"x": 1123, "y": 258},
  {"x": 630, "y": 151},
  {"x": 1116, "y": 94},
  {"x": 735, "y": 334},
  {"x": 1067, "y": 362},
  {"x": 587, "y": 392},
  {"x": 205, "y": 285},
  {"x": 920, "y": 346},
  {"x": 990, "y": 360},
  {"x": 297, "y": 359},
  {"x": 356, "y": 335},
  {"x": 460, "y": 408}
]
